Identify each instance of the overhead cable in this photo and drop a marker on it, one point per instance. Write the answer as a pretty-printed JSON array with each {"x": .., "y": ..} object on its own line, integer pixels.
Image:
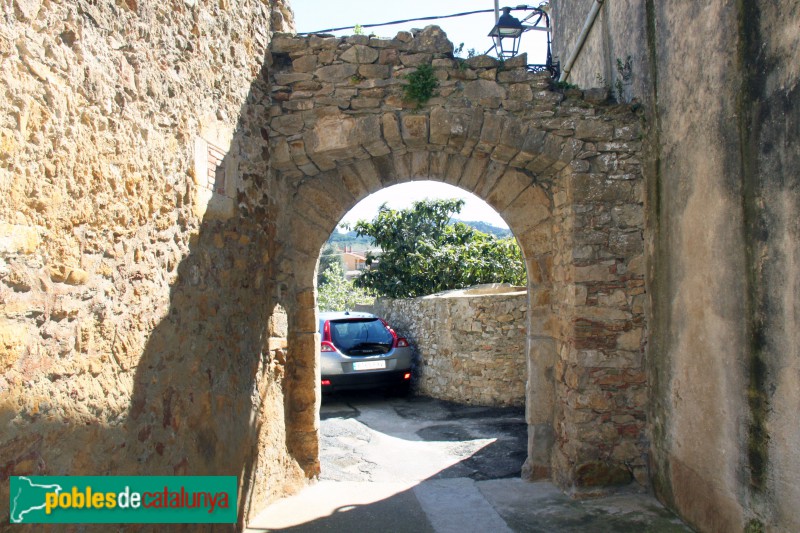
[{"x": 328, "y": 30}]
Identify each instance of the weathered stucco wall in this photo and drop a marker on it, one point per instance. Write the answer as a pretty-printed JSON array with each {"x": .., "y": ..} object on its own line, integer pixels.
[
  {"x": 613, "y": 54},
  {"x": 723, "y": 257},
  {"x": 136, "y": 301},
  {"x": 470, "y": 344}
]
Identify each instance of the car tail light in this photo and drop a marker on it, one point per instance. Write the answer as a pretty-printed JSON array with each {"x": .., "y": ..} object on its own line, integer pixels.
[
  {"x": 406, "y": 376},
  {"x": 399, "y": 342},
  {"x": 326, "y": 346},
  {"x": 326, "y": 331},
  {"x": 326, "y": 382}
]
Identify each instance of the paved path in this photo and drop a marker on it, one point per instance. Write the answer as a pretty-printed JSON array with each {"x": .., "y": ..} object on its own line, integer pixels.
[{"x": 420, "y": 465}]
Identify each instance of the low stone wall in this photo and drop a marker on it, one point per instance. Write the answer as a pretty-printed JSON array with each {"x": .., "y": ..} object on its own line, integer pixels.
[{"x": 471, "y": 343}]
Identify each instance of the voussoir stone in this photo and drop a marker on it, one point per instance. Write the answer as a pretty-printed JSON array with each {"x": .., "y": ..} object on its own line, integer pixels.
[
  {"x": 287, "y": 124},
  {"x": 415, "y": 129},
  {"x": 439, "y": 125}
]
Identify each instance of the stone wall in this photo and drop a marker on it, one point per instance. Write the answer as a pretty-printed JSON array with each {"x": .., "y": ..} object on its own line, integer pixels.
[
  {"x": 723, "y": 204},
  {"x": 135, "y": 292},
  {"x": 470, "y": 343},
  {"x": 563, "y": 169},
  {"x": 167, "y": 184},
  {"x": 159, "y": 200}
]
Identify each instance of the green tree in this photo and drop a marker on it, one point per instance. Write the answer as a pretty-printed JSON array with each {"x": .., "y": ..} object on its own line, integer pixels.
[
  {"x": 336, "y": 293},
  {"x": 330, "y": 255},
  {"x": 424, "y": 253}
]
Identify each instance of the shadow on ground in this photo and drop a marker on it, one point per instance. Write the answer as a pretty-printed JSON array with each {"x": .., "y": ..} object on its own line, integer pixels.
[{"x": 482, "y": 492}]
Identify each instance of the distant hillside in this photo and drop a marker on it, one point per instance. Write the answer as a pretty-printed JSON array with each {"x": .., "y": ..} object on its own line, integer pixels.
[
  {"x": 352, "y": 240},
  {"x": 349, "y": 239},
  {"x": 485, "y": 227}
]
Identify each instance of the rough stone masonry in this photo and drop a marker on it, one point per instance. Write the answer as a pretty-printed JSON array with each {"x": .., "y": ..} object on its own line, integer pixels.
[
  {"x": 167, "y": 183},
  {"x": 134, "y": 329},
  {"x": 563, "y": 170},
  {"x": 163, "y": 191},
  {"x": 470, "y": 344}
]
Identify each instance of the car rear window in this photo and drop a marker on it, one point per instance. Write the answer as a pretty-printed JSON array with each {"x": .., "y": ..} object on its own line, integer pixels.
[{"x": 366, "y": 336}]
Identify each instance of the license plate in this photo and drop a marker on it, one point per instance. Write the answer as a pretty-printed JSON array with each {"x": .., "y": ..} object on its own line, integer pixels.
[{"x": 369, "y": 365}]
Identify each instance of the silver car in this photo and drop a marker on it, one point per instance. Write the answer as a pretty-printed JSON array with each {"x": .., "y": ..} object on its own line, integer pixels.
[{"x": 360, "y": 350}]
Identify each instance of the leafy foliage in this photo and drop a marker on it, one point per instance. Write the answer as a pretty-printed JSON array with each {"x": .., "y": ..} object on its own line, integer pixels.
[
  {"x": 625, "y": 72},
  {"x": 421, "y": 84},
  {"x": 330, "y": 255},
  {"x": 461, "y": 61},
  {"x": 564, "y": 85},
  {"x": 424, "y": 253},
  {"x": 336, "y": 293},
  {"x": 460, "y": 49}
]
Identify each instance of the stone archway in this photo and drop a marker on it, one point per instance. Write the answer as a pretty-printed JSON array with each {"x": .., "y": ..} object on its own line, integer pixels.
[{"x": 562, "y": 170}]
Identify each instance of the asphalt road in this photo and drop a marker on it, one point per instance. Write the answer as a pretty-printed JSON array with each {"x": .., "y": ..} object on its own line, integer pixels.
[
  {"x": 374, "y": 438},
  {"x": 420, "y": 465}
]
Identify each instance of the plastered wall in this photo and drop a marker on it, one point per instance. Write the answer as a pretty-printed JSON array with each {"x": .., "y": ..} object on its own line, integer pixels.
[{"x": 721, "y": 91}]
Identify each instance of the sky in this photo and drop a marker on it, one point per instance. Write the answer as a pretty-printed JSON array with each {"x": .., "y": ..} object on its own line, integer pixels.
[
  {"x": 402, "y": 195},
  {"x": 472, "y": 30}
]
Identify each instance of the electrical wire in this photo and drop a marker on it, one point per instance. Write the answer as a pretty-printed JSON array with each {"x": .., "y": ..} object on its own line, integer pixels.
[{"x": 414, "y": 20}]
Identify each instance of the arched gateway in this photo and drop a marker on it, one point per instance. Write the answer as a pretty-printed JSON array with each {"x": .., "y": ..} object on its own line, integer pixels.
[{"x": 563, "y": 170}]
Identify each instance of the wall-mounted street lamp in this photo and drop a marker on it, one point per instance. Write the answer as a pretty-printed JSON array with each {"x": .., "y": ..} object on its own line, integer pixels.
[{"x": 507, "y": 33}]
